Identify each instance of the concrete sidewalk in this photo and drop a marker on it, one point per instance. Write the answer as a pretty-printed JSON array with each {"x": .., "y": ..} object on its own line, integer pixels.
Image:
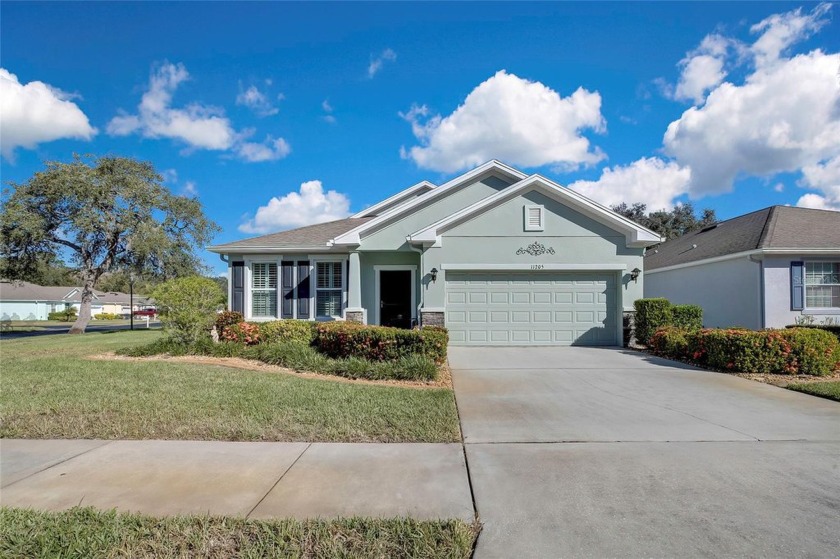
[{"x": 257, "y": 480}]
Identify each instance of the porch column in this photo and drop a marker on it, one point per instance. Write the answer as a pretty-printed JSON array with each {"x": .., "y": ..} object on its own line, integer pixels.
[{"x": 355, "y": 312}]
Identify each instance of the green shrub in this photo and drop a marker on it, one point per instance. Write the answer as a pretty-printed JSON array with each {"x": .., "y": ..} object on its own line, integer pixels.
[
  {"x": 187, "y": 307},
  {"x": 748, "y": 351},
  {"x": 301, "y": 331},
  {"x": 107, "y": 316},
  {"x": 228, "y": 318},
  {"x": 379, "y": 343},
  {"x": 65, "y": 315},
  {"x": 813, "y": 351},
  {"x": 687, "y": 317},
  {"x": 670, "y": 341},
  {"x": 246, "y": 333},
  {"x": 831, "y": 328},
  {"x": 651, "y": 315}
]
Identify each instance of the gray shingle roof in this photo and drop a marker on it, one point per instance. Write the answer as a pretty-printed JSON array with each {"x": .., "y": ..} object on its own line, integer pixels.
[
  {"x": 310, "y": 236},
  {"x": 26, "y": 291},
  {"x": 773, "y": 227}
]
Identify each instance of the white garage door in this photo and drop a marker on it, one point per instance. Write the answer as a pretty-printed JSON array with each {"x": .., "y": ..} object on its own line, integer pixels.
[{"x": 544, "y": 308}]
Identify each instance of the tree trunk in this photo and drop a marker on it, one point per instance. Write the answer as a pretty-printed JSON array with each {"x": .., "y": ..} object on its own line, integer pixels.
[{"x": 84, "y": 311}]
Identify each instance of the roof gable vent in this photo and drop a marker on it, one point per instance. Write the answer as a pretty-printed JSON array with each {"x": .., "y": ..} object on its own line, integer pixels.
[{"x": 534, "y": 218}]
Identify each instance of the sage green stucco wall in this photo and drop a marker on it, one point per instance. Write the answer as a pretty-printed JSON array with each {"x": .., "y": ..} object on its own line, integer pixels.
[
  {"x": 495, "y": 236},
  {"x": 392, "y": 236}
]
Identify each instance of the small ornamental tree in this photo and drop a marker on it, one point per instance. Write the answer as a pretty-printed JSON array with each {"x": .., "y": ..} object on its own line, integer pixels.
[
  {"x": 102, "y": 214},
  {"x": 187, "y": 307}
]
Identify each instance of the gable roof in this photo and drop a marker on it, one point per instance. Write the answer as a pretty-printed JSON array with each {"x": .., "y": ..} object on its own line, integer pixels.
[
  {"x": 26, "y": 291},
  {"x": 637, "y": 236},
  {"x": 311, "y": 236},
  {"x": 774, "y": 228},
  {"x": 396, "y": 200},
  {"x": 353, "y": 236}
]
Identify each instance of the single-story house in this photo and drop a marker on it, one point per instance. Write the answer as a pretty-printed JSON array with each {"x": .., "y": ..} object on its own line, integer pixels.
[
  {"x": 22, "y": 300},
  {"x": 765, "y": 269},
  {"x": 497, "y": 256}
]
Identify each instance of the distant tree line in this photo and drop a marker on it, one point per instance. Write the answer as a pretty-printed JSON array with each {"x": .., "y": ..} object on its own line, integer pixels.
[{"x": 669, "y": 224}]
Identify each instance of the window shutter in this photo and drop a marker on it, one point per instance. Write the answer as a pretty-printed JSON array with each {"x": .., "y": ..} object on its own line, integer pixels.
[
  {"x": 797, "y": 286},
  {"x": 287, "y": 310},
  {"x": 303, "y": 289},
  {"x": 238, "y": 287}
]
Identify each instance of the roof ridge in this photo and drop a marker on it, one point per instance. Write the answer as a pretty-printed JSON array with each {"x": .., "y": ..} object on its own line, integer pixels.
[{"x": 769, "y": 227}]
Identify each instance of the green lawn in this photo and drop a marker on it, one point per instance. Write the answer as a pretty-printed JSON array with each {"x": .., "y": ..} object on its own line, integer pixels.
[
  {"x": 85, "y": 532},
  {"x": 829, "y": 389},
  {"x": 48, "y": 389}
]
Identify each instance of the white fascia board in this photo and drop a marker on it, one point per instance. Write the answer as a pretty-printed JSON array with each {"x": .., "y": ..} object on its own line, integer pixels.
[
  {"x": 353, "y": 236},
  {"x": 278, "y": 250},
  {"x": 637, "y": 236},
  {"x": 423, "y": 185}
]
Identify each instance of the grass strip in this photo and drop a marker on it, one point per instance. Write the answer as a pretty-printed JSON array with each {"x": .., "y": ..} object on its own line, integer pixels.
[
  {"x": 87, "y": 532},
  {"x": 829, "y": 389}
]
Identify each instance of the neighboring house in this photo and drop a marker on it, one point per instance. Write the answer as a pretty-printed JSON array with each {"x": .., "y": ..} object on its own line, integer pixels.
[
  {"x": 764, "y": 269},
  {"x": 21, "y": 300},
  {"x": 496, "y": 256}
]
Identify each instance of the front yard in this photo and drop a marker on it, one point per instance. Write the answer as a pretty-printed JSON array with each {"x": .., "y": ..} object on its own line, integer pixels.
[
  {"x": 830, "y": 390},
  {"x": 50, "y": 388}
]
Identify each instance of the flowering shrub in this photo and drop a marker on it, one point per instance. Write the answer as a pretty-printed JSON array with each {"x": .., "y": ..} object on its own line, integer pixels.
[
  {"x": 379, "y": 343},
  {"x": 301, "y": 331},
  {"x": 247, "y": 333},
  {"x": 792, "y": 351},
  {"x": 228, "y": 318}
]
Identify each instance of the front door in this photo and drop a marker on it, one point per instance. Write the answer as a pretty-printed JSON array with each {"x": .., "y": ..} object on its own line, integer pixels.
[{"x": 395, "y": 298}]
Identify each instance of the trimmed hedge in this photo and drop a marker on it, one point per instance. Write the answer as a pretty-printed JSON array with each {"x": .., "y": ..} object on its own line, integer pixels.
[
  {"x": 379, "y": 343},
  {"x": 832, "y": 328},
  {"x": 790, "y": 351},
  {"x": 651, "y": 315},
  {"x": 301, "y": 331},
  {"x": 299, "y": 357},
  {"x": 66, "y": 315},
  {"x": 107, "y": 316},
  {"x": 245, "y": 333},
  {"x": 689, "y": 317}
]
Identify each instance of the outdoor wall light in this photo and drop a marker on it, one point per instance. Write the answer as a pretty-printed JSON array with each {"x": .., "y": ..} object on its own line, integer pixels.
[
  {"x": 433, "y": 272},
  {"x": 634, "y": 274}
]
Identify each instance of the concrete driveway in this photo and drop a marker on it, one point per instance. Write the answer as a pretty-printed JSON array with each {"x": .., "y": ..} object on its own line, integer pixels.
[{"x": 585, "y": 452}]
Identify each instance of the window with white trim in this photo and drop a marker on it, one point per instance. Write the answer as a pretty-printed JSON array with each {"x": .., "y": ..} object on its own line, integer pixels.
[
  {"x": 534, "y": 218},
  {"x": 264, "y": 290},
  {"x": 822, "y": 285},
  {"x": 329, "y": 288}
]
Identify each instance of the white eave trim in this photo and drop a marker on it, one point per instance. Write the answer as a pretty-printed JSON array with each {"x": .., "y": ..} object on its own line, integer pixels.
[
  {"x": 276, "y": 249},
  {"x": 637, "y": 236},
  {"x": 760, "y": 252},
  {"x": 424, "y": 185},
  {"x": 536, "y": 267},
  {"x": 353, "y": 236}
]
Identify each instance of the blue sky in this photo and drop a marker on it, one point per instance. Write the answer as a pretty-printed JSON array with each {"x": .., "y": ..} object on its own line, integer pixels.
[{"x": 733, "y": 106}]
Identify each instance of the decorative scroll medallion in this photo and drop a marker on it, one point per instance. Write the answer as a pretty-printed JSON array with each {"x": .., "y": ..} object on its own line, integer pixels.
[{"x": 536, "y": 249}]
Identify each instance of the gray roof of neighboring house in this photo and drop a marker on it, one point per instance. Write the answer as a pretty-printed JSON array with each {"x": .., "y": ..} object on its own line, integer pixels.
[
  {"x": 314, "y": 236},
  {"x": 26, "y": 291},
  {"x": 773, "y": 227}
]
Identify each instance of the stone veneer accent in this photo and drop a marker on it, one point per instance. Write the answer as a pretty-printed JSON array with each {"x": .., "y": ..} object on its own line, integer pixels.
[
  {"x": 432, "y": 318},
  {"x": 354, "y": 316},
  {"x": 629, "y": 320}
]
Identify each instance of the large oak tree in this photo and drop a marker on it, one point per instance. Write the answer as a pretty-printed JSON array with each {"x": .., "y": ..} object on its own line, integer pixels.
[{"x": 103, "y": 214}]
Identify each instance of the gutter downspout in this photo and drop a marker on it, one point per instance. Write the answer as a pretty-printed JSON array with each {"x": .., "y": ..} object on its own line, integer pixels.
[
  {"x": 762, "y": 318},
  {"x": 421, "y": 251}
]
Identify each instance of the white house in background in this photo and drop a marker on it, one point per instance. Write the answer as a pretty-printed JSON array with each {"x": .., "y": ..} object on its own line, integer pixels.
[
  {"x": 765, "y": 269},
  {"x": 21, "y": 300}
]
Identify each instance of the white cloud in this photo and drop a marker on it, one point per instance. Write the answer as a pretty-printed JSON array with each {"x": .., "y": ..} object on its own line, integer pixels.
[
  {"x": 780, "y": 31},
  {"x": 256, "y": 100},
  {"x": 651, "y": 181},
  {"x": 190, "y": 189},
  {"x": 506, "y": 117},
  {"x": 311, "y": 205},
  {"x": 702, "y": 69},
  {"x": 824, "y": 177},
  {"x": 328, "y": 109},
  {"x": 270, "y": 150},
  {"x": 376, "y": 63},
  {"x": 170, "y": 176},
  {"x": 35, "y": 113},
  {"x": 198, "y": 126}
]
